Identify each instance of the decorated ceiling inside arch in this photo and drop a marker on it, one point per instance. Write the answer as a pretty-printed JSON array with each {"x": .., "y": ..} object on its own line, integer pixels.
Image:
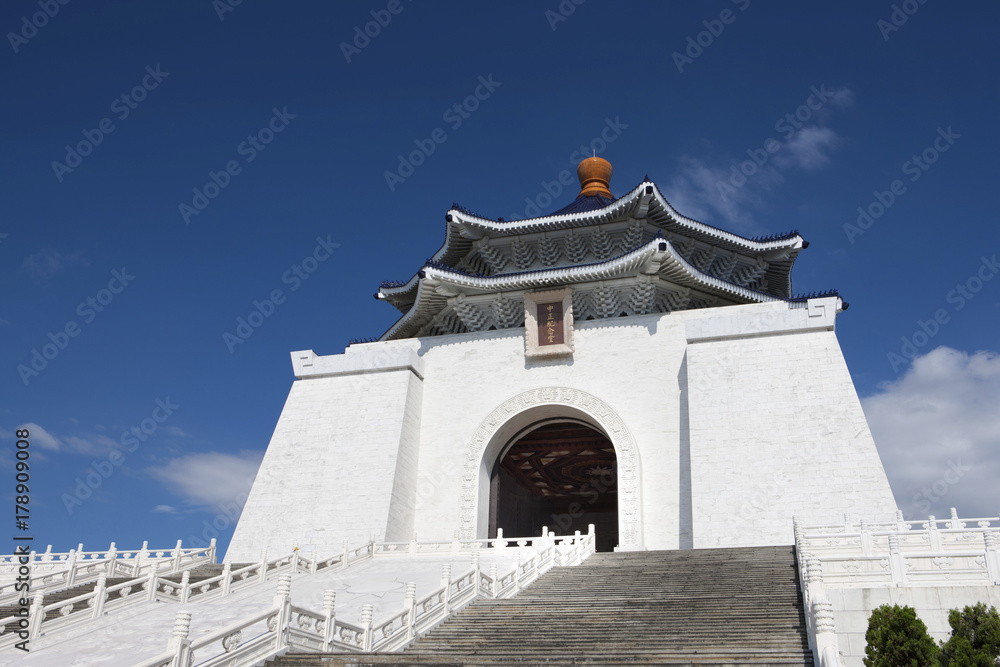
[{"x": 632, "y": 255}]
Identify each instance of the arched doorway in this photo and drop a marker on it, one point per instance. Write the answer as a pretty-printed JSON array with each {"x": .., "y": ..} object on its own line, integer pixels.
[{"x": 561, "y": 473}]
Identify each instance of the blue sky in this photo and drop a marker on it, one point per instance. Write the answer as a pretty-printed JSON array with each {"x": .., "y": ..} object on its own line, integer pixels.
[{"x": 167, "y": 165}]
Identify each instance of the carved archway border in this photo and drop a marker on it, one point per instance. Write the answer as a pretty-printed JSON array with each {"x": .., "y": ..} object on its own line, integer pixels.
[{"x": 629, "y": 533}]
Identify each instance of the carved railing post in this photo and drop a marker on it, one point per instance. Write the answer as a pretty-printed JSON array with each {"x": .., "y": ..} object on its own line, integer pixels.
[
  {"x": 897, "y": 563},
  {"x": 933, "y": 536},
  {"x": 826, "y": 635},
  {"x": 153, "y": 580},
  {"x": 992, "y": 557},
  {"x": 343, "y": 559},
  {"x": 410, "y": 605},
  {"x": 227, "y": 578},
  {"x": 330, "y": 616},
  {"x": 366, "y": 625},
  {"x": 293, "y": 562},
  {"x": 36, "y": 614},
  {"x": 263, "y": 566},
  {"x": 517, "y": 572},
  {"x": 475, "y": 574},
  {"x": 176, "y": 565},
  {"x": 179, "y": 643},
  {"x": 283, "y": 601},
  {"x": 140, "y": 558},
  {"x": 814, "y": 576},
  {"x": 413, "y": 544},
  {"x": 110, "y": 558},
  {"x": 100, "y": 595},
  {"x": 71, "y": 572},
  {"x": 499, "y": 542},
  {"x": 901, "y": 524},
  {"x": 494, "y": 584},
  {"x": 314, "y": 563},
  {"x": 185, "y": 585},
  {"x": 866, "y": 539},
  {"x": 446, "y": 582}
]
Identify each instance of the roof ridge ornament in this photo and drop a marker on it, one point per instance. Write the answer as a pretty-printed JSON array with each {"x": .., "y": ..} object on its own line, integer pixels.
[{"x": 595, "y": 177}]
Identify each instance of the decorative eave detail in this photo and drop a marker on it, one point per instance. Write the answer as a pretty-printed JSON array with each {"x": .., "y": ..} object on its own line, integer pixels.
[
  {"x": 645, "y": 202},
  {"x": 436, "y": 282}
]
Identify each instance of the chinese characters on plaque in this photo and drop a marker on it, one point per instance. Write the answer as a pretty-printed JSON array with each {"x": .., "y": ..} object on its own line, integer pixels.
[{"x": 550, "y": 323}]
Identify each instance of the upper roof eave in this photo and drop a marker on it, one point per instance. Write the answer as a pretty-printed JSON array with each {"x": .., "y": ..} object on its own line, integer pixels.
[
  {"x": 643, "y": 195},
  {"x": 681, "y": 271}
]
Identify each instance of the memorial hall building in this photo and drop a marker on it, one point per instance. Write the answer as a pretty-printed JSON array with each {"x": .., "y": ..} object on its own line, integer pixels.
[{"x": 614, "y": 363}]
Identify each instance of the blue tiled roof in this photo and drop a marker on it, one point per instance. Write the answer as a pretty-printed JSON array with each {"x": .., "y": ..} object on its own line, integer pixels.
[
  {"x": 583, "y": 204},
  {"x": 814, "y": 295}
]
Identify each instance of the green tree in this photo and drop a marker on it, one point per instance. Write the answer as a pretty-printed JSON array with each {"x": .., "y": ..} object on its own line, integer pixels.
[
  {"x": 897, "y": 638},
  {"x": 975, "y": 637}
]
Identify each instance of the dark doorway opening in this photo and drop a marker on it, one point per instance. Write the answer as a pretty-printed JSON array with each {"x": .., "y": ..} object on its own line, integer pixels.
[{"x": 561, "y": 474}]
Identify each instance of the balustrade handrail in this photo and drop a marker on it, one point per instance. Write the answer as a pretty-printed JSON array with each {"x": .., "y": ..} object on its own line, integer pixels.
[
  {"x": 54, "y": 557},
  {"x": 943, "y": 541},
  {"x": 849, "y": 527},
  {"x": 454, "y": 593},
  {"x": 83, "y": 570}
]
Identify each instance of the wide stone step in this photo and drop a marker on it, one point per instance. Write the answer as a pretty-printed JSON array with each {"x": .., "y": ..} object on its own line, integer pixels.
[{"x": 696, "y": 607}]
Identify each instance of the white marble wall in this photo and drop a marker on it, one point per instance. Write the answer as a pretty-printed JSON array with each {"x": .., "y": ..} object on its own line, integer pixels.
[{"x": 742, "y": 411}]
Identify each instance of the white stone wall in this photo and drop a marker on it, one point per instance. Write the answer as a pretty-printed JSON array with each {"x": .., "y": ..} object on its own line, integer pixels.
[
  {"x": 853, "y": 607},
  {"x": 776, "y": 429},
  {"x": 330, "y": 472},
  {"x": 740, "y": 417}
]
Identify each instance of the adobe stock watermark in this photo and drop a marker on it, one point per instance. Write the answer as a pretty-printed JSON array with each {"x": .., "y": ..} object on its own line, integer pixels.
[
  {"x": 381, "y": 18},
  {"x": 122, "y": 106},
  {"x": 295, "y": 276},
  {"x": 249, "y": 149},
  {"x": 100, "y": 471},
  {"x": 562, "y": 12},
  {"x": 223, "y": 7},
  {"x": 898, "y": 17},
  {"x": 957, "y": 297},
  {"x": 788, "y": 125},
  {"x": 714, "y": 28},
  {"x": 551, "y": 190},
  {"x": 936, "y": 491},
  {"x": 915, "y": 167},
  {"x": 87, "y": 310},
  {"x": 454, "y": 115},
  {"x": 38, "y": 20}
]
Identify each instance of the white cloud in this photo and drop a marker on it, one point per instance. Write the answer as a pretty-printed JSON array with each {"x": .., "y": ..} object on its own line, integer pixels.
[
  {"x": 39, "y": 436},
  {"x": 92, "y": 445},
  {"x": 165, "y": 509},
  {"x": 809, "y": 148},
  {"x": 695, "y": 192},
  {"x": 938, "y": 431},
  {"x": 211, "y": 479},
  {"x": 726, "y": 190},
  {"x": 47, "y": 263}
]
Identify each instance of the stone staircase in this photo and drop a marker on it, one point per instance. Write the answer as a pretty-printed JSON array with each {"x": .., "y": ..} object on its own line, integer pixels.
[{"x": 737, "y": 606}]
